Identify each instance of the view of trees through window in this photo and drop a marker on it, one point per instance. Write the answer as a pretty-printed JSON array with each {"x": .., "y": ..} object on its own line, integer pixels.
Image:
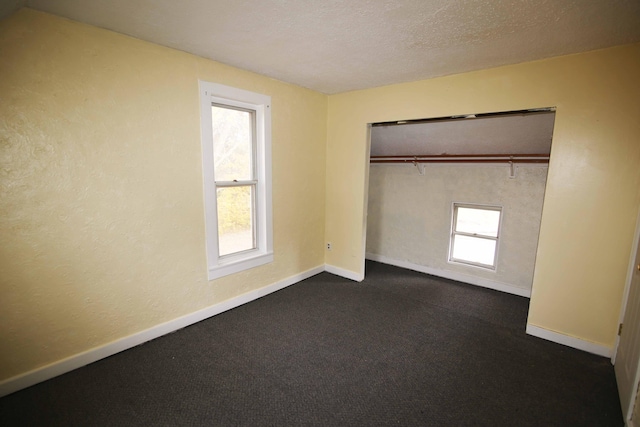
[{"x": 233, "y": 155}]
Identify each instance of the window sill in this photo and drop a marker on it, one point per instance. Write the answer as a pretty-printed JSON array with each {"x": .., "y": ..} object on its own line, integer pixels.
[
  {"x": 232, "y": 266},
  {"x": 487, "y": 267}
]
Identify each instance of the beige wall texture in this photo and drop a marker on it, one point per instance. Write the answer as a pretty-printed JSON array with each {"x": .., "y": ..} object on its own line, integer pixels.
[
  {"x": 593, "y": 185},
  {"x": 409, "y": 215},
  {"x": 101, "y": 197}
]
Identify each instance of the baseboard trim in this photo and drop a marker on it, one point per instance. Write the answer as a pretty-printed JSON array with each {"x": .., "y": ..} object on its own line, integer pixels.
[
  {"x": 569, "y": 341},
  {"x": 79, "y": 360},
  {"x": 460, "y": 277},
  {"x": 347, "y": 274}
]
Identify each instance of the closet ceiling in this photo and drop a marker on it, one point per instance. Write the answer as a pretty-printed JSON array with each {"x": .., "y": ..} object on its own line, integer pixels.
[
  {"x": 503, "y": 134},
  {"x": 338, "y": 46}
]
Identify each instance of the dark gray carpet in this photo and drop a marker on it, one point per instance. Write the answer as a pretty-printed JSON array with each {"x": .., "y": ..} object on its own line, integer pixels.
[{"x": 400, "y": 348}]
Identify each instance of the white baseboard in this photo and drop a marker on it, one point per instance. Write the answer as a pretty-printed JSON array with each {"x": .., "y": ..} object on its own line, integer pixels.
[
  {"x": 60, "y": 367},
  {"x": 453, "y": 275},
  {"x": 569, "y": 341},
  {"x": 347, "y": 274}
]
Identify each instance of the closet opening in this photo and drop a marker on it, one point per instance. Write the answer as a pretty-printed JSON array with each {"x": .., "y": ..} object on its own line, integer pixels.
[{"x": 460, "y": 197}]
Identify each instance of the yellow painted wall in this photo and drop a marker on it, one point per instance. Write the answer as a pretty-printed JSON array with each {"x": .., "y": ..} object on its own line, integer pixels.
[
  {"x": 593, "y": 189},
  {"x": 101, "y": 211},
  {"x": 101, "y": 204}
]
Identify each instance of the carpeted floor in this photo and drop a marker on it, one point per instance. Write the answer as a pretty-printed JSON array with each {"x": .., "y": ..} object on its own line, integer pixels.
[{"x": 401, "y": 348}]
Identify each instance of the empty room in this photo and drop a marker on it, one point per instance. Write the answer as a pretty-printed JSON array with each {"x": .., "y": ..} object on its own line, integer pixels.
[{"x": 262, "y": 213}]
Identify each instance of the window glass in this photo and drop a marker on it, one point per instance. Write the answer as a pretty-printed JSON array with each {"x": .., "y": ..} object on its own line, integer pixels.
[
  {"x": 481, "y": 251},
  {"x": 233, "y": 136},
  {"x": 478, "y": 221},
  {"x": 235, "y": 219}
]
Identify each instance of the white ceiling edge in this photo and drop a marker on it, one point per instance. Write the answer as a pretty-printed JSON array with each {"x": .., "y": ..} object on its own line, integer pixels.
[{"x": 335, "y": 47}]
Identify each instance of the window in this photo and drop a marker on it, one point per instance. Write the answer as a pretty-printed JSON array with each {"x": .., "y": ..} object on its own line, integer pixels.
[
  {"x": 236, "y": 162},
  {"x": 474, "y": 235}
]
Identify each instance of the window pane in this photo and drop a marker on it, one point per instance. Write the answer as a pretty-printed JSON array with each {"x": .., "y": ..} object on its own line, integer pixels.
[
  {"x": 232, "y": 144},
  {"x": 236, "y": 230},
  {"x": 478, "y": 221},
  {"x": 474, "y": 249}
]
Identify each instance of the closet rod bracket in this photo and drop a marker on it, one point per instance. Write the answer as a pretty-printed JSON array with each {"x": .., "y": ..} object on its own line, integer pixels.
[
  {"x": 419, "y": 166},
  {"x": 512, "y": 169}
]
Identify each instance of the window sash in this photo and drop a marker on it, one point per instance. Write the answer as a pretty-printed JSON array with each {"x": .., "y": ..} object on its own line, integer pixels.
[
  {"x": 252, "y": 140},
  {"x": 456, "y": 218},
  {"x": 462, "y": 249},
  {"x": 224, "y": 235}
]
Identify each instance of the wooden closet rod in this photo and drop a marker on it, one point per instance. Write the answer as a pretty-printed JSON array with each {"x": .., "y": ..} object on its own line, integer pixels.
[{"x": 464, "y": 158}]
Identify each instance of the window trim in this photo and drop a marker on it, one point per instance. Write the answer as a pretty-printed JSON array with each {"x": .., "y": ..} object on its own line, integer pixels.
[
  {"x": 214, "y": 93},
  {"x": 454, "y": 216}
]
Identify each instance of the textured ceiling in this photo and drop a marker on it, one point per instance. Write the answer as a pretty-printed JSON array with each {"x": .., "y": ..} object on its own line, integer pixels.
[
  {"x": 335, "y": 46},
  {"x": 507, "y": 134}
]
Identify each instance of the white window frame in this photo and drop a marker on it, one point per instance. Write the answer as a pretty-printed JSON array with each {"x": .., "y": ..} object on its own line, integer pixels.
[
  {"x": 213, "y": 93},
  {"x": 454, "y": 232}
]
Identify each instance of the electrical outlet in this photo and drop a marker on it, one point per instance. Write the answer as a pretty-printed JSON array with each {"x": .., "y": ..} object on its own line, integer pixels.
[{"x": 328, "y": 246}]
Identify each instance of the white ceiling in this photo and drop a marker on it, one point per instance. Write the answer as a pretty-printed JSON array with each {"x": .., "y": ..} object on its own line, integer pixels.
[
  {"x": 334, "y": 46},
  {"x": 504, "y": 134}
]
